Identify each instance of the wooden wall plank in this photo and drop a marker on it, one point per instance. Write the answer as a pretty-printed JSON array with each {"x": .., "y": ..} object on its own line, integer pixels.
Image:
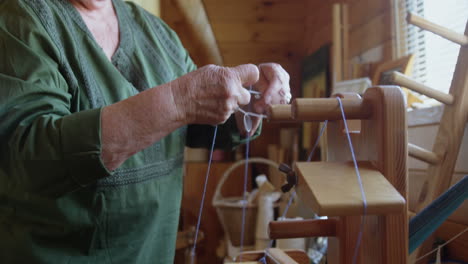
[
  {"x": 319, "y": 16},
  {"x": 259, "y": 51},
  {"x": 364, "y": 10},
  {"x": 258, "y": 32},
  {"x": 256, "y": 11},
  {"x": 317, "y": 39},
  {"x": 371, "y": 34}
]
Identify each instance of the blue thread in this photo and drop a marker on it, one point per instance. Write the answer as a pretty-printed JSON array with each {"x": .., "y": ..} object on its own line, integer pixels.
[
  {"x": 363, "y": 195},
  {"x": 293, "y": 194},
  {"x": 244, "y": 194},
  {"x": 192, "y": 253},
  {"x": 244, "y": 207}
]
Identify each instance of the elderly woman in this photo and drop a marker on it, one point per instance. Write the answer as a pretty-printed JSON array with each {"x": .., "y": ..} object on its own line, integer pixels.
[{"x": 97, "y": 100}]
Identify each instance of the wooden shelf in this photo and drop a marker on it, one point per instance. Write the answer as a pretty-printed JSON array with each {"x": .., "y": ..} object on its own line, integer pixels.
[{"x": 332, "y": 189}]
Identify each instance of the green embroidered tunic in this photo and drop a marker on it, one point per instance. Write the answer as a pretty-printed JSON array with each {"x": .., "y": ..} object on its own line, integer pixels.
[{"x": 58, "y": 203}]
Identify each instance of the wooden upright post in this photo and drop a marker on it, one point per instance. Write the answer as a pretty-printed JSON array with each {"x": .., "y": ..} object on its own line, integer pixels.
[
  {"x": 383, "y": 142},
  {"x": 448, "y": 140}
]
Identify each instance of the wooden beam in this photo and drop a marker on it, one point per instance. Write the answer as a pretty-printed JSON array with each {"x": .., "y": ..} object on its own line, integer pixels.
[
  {"x": 200, "y": 30},
  {"x": 153, "y": 6},
  {"x": 337, "y": 50},
  {"x": 437, "y": 29}
]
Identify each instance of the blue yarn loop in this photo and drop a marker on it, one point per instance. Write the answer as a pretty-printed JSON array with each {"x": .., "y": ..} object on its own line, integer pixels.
[
  {"x": 202, "y": 203},
  {"x": 358, "y": 175}
]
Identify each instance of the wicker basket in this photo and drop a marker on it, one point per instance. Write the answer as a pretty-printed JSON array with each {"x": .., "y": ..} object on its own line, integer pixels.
[{"x": 229, "y": 209}]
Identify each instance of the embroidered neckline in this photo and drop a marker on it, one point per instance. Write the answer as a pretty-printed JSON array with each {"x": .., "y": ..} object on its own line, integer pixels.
[{"x": 125, "y": 34}]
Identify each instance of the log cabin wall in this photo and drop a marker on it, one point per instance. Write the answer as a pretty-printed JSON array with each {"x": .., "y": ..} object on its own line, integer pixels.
[
  {"x": 250, "y": 31},
  {"x": 370, "y": 27},
  {"x": 285, "y": 31}
]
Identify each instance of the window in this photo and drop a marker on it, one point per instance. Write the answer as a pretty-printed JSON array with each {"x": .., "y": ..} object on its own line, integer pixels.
[{"x": 435, "y": 57}]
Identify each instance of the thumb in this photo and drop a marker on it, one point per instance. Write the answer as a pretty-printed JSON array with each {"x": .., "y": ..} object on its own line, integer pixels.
[{"x": 248, "y": 74}]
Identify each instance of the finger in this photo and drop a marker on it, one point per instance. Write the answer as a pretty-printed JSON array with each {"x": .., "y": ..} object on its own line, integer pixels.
[
  {"x": 248, "y": 74},
  {"x": 276, "y": 93},
  {"x": 271, "y": 94},
  {"x": 242, "y": 96}
]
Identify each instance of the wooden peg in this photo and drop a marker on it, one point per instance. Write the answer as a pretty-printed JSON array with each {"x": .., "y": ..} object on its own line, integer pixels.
[
  {"x": 437, "y": 29},
  {"x": 279, "y": 113},
  {"x": 319, "y": 109},
  {"x": 422, "y": 154},
  {"x": 413, "y": 85}
]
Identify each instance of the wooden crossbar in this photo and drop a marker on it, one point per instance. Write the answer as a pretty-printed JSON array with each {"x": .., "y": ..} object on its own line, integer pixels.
[
  {"x": 405, "y": 81},
  {"x": 320, "y": 109},
  {"x": 422, "y": 154}
]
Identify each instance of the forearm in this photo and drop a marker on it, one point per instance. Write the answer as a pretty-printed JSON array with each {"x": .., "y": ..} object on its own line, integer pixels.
[{"x": 136, "y": 123}]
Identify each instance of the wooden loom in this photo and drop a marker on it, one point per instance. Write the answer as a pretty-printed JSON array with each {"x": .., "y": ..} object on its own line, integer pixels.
[{"x": 331, "y": 188}]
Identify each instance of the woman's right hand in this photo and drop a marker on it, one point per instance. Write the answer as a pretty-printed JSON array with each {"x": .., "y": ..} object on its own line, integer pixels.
[{"x": 212, "y": 93}]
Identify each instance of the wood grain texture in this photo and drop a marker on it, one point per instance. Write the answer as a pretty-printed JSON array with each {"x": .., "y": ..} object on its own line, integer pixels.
[
  {"x": 449, "y": 137},
  {"x": 321, "y": 109},
  {"x": 364, "y": 10},
  {"x": 265, "y": 32},
  {"x": 370, "y": 34},
  {"x": 255, "y": 11},
  {"x": 382, "y": 141},
  {"x": 337, "y": 47},
  {"x": 422, "y": 154},
  {"x": 200, "y": 30},
  {"x": 332, "y": 189},
  {"x": 279, "y": 113},
  {"x": 405, "y": 81}
]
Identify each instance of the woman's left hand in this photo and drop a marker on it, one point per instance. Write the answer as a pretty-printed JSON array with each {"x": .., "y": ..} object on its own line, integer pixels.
[{"x": 273, "y": 86}]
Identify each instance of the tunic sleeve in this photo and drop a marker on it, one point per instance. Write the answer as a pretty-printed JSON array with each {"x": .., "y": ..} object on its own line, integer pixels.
[{"x": 45, "y": 148}]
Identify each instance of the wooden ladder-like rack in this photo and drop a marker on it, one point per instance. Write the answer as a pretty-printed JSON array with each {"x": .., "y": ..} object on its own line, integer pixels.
[{"x": 443, "y": 157}]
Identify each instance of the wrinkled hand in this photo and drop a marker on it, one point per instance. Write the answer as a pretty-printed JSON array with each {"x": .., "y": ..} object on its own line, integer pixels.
[
  {"x": 212, "y": 93},
  {"x": 273, "y": 85}
]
